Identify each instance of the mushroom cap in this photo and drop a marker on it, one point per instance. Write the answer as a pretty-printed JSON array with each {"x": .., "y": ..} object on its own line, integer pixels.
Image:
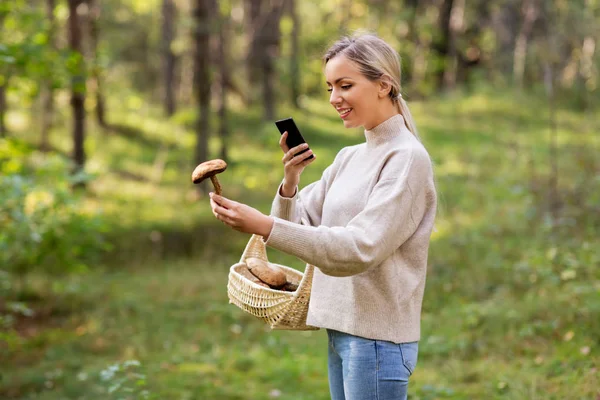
[{"x": 208, "y": 169}]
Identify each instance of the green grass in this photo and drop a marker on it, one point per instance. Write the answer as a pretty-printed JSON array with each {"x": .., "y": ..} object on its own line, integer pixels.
[{"x": 512, "y": 303}]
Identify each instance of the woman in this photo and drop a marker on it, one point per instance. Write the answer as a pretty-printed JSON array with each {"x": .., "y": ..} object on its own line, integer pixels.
[{"x": 365, "y": 225}]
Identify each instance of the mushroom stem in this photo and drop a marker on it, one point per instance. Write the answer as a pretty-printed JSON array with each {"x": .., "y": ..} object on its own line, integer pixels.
[{"x": 216, "y": 184}]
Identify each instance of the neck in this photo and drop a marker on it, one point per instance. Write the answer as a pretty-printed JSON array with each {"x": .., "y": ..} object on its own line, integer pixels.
[{"x": 387, "y": 111}]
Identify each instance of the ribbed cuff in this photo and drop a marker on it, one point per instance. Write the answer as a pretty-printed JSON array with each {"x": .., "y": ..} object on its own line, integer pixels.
[
  {"x": 284, "y": 207},
  {"x": 289, "y": 237}
]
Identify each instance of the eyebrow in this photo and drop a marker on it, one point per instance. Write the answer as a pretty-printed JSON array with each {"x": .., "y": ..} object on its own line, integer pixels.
[{"x": 339, "y": 79}]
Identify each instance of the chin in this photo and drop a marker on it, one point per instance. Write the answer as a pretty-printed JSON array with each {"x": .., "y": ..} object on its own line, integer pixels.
[{"x": 350, "y": 124}]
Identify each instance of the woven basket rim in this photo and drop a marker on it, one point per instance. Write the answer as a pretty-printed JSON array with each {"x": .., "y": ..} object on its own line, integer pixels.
[{"x": 257, "y": 286}]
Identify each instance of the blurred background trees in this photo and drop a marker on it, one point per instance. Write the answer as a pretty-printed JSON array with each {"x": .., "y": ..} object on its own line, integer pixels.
[
  {"x": 185, "y": 52},
  {"x": 106, "y": 106}
]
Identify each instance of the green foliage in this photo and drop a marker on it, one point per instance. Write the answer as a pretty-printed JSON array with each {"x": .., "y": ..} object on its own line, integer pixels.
[
  {"x": 26, "y": 57},
  {"x": 511, "y": 299},
  {"x": 44, "y": 225},
  {"x": 125, "y": 381}
]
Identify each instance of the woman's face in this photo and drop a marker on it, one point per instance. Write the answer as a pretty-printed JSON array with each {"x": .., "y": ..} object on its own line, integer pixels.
[{"x": 354, "y": 97}]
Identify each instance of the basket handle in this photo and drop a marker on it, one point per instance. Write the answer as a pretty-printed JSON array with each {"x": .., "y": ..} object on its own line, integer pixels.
[{"x": 256, "y": 248}]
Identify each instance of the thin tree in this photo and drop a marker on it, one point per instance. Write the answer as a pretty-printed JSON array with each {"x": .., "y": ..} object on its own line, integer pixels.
[
  {"x": 224, "y": 33},
  {"x": 455, "y": 29},
  {"x": 294, "y": 56},
  {"x": 442, "y": 45},
  {"x": 77, "y": 86},
  {"x": 530, "y": 13},
  {"x": 269, "y": 38},
  {"x": 254, "y": 26},
  {"x": 168, "y": 35},
  {"x": 94, "y": 30},
  {"x": 47, "y": 86},
  {"x": 202, "y": 79}
]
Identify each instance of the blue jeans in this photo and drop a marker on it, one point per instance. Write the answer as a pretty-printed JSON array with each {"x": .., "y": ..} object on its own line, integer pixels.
[{"x": 367, "y": 369}]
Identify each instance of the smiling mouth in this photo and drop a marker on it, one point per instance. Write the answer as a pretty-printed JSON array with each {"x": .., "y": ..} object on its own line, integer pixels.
[{"x": 344, "y": 112}]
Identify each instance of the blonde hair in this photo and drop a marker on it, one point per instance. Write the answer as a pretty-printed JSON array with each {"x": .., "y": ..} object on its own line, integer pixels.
[{"x": 375, "y": 59}]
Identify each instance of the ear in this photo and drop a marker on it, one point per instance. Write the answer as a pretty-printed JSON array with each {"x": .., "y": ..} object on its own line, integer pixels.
[{"x": 385, "y": 86}]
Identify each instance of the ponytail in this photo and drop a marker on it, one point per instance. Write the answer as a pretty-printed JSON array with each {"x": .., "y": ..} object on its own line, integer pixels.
[{"x": 405, "y": 112}]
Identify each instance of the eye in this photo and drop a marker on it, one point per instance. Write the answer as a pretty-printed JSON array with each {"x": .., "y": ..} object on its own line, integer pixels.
[{"x": 345, "y": 87}]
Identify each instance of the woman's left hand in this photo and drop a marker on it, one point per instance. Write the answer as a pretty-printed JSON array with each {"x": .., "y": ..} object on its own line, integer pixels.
[{"x": 240, "y": 217}]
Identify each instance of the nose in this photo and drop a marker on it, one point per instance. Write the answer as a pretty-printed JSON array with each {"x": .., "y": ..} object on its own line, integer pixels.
[{"x": 335, "y": 98}]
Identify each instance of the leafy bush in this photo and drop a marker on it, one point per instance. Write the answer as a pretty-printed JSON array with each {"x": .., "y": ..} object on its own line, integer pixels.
[{"x": 45, "y": 225}]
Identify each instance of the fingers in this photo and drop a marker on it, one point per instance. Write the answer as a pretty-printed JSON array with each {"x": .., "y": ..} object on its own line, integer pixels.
[
  {"x": 298, "y": 149},
  {"x": 300, "y": 159},
  {"x": 222, "y": 201},
  {"x": 290, "y": 154},
  {"x": 283, "y": 142},
  {"x": 223, "y": 214},
  {"x": 308, "y": 161}
]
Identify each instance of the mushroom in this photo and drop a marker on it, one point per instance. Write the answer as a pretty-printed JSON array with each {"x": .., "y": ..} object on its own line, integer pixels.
[
  {"x": 266, "y": 272},
  {"x": 209, "y": 169}
]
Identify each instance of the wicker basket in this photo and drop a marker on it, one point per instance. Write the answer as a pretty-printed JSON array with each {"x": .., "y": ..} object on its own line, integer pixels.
[{"x": 280, "y": 309}]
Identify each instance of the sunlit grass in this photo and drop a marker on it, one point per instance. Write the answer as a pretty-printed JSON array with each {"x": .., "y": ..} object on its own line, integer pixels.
[{"x": 511, "y": 301}]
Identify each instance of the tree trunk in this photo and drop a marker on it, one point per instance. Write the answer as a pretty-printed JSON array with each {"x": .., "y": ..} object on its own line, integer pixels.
[
  {"x": 47, "y": 90},
  {"x": 442, "y": 46},
  {"x": 77, "y": 87},
  {"x": 255, "y": 51},
  {"x": 270, "y": 38},
  {"x": 504, "y": 23},
  {"x": 168, "y": 33},
  {"x": 94, "y": 16},
  {"x": 294, "y": 57},
  {"x": 530, "y": 14},
  {"x": 224, "y": 69},
  {"x": 202, "y": 80},
  {"x": 586, "y": 69},
  {"x": 418, "y": 68},
  {"x": 455, "y": 28}
]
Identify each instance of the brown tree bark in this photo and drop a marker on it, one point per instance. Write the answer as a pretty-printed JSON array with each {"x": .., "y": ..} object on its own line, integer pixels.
[
  {"x": 295, "y": 55},
  {"x": 94, "y": 31},
  {"x": 47, "y": 90},
  {"x": 255, "y": 52},
  {"x": 202, "y": 80},
  {"x": 455, "y": 29},
  {"x": 270, "y": 40},
  {"x": 168, "y": 35},
  {"x": 442, "y": 45},
  {"x": 530, "y": 14},
  {"x": 224, "y": 33},
  {"x": 77, "y": 86},
  {"x": 504, "y": 23}
]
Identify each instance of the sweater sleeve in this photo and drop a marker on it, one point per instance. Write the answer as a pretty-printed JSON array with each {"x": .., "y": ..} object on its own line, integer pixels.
[
  {"x": 392, "y": 214},
  {"x": 308, "y": 204}
]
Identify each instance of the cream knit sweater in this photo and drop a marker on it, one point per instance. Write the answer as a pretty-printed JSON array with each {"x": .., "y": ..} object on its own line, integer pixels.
[{"x": 366, "y": 226}]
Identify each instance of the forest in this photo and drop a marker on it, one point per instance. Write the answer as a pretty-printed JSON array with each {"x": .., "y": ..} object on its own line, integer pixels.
[{"x": 114, "y": 270}]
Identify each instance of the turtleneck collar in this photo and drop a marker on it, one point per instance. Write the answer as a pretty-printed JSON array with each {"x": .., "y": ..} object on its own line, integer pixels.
[{"x": 389, "y": 129}]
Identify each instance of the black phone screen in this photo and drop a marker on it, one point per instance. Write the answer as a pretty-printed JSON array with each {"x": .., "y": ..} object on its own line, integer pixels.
[{"x": 294, "y": 137}]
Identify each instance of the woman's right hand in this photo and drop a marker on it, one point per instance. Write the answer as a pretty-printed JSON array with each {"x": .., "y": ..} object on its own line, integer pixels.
[{"x": 293, "y": 166}]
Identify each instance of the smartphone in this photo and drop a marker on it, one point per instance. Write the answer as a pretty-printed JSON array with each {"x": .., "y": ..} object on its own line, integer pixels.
[{"x": 294, "y": 137}]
